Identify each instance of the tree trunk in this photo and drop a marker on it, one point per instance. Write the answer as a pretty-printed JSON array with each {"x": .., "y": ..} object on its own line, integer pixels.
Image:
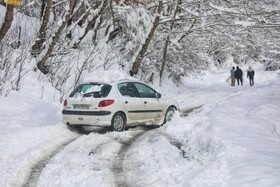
[
  {"x": 167, "y": 41},
  {"x": 96, "y": 30},
  {"x": 164, "y": 57},
  {"x": 7, "y": 22},
  {"x": 43, "y": 7},
  {"x": 112, "y": 12},
  {"x": 70, "y": 21},
  {"x": 92, "y": 22},
  {"x": 138, "y": 60},
  {"x": 41, "y": 64},
  {"x": 36, "y": 48},
  {"x": 116, "y": 26}
]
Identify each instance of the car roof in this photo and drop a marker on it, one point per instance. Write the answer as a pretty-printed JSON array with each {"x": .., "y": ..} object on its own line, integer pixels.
[
  {"x": 115, "y": 82},
  {"x": 127, "y": 80},
  {"x": 111, "y": 82},
  {"x": 94, "y": 82}
]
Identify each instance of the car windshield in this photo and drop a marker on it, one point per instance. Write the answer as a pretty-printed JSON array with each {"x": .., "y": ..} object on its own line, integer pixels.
[{"x": 95, "y": 90}]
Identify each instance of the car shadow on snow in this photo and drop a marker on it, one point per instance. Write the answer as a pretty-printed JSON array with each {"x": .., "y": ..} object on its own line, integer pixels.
[
  {"x": 88, "y": 129},
  {"x": 85, "y": 130}
]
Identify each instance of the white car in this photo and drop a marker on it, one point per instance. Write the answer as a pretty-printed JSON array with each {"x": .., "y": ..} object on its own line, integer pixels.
[{"x": 118, "y": 104}]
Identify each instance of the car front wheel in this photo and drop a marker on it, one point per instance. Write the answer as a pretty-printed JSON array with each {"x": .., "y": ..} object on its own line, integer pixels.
[
  {"x": 169, "y": 114},
  {"x": 118, "y": 122}
]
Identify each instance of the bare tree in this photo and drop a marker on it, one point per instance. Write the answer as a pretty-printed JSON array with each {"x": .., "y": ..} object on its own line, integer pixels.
[
  {"x": 41, "y": 64},
  {"x": 112, "y": 11},
  {"x": 19, "y": 64},
  {"x": 140, "y": 56},
  {"x": 37, "y": 46},
  {"x": 116, "y": 28},
  {"x": 92, "y": 22},
  {"x": 6, "y": 70},
  {"x": 7, "y": 22},
  {"x": 167, "y": 41}
]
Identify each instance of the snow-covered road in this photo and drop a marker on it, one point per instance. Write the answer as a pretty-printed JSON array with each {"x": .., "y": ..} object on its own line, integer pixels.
[{"x": 231, "y": 140}]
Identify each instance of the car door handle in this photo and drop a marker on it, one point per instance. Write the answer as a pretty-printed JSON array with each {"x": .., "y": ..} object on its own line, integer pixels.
[
  {"x": 126, "y": 102},
  {"x": 145, "y": 102}
]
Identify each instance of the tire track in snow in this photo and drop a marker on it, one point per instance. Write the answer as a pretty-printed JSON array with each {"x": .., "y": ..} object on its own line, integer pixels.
[
  {"x": 39, "y": 166},
  {"x": 118, "y": 167},
  {"x": 119, "y": 171}
]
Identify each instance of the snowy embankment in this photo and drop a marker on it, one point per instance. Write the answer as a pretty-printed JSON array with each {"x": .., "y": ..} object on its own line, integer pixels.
[
  {"x": 240, "y": 122},
  {"x": 30, "y": 130},
  {"x": 229, "y": 141}
]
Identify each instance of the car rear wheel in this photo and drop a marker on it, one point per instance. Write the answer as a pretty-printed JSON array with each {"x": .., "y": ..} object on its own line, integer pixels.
[
  {"x": 169, "y": 114},
  {"x": 118, "y": 122}
]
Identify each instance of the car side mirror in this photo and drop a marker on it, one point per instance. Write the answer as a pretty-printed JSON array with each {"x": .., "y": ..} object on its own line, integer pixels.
[{"x": 158, "y": 95}]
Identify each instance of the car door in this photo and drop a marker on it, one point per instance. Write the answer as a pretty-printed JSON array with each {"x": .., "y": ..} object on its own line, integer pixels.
[
  {"x": 152, "y": 105},
  {"x": 131, "y": 101}
]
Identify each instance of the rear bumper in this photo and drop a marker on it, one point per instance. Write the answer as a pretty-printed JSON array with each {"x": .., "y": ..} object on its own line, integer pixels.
[
  {"x": 94, "y": 118},
  {"x": 86, "y": 113}
]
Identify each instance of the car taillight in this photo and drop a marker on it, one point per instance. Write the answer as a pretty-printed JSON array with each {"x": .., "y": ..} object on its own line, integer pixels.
[
  {"x": 65, "y": 102},
  {"x": 106, "y": 103}
]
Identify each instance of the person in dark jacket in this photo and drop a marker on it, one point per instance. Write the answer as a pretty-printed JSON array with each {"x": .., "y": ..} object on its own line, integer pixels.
[
  {"x": 250, "y": 75},
  {"x": 239, "y": 75}
]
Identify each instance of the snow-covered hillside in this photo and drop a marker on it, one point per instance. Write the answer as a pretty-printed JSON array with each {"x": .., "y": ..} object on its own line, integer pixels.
[{"x": 231, "y": 139}]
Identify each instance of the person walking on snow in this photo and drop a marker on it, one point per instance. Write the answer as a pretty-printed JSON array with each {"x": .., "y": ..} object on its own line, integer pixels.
[
  {"x": 239, "y": 75},
  {"x": 250, "y": 75},
  {"x": 232, "y": 76}
]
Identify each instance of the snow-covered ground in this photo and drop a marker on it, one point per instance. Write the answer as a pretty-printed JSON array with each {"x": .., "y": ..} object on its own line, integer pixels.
[{"x": 230, "y": 140}]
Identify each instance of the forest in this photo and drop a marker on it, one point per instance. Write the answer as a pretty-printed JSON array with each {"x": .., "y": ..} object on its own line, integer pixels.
[{"x": 151, "y": 40}]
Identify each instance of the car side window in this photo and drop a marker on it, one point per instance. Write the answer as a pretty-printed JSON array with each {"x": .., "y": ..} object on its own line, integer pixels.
[
  {"x": 128, "y": 89},
  {"x": 122, "y": 87},
  {"x": 145, "y": 91}
]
